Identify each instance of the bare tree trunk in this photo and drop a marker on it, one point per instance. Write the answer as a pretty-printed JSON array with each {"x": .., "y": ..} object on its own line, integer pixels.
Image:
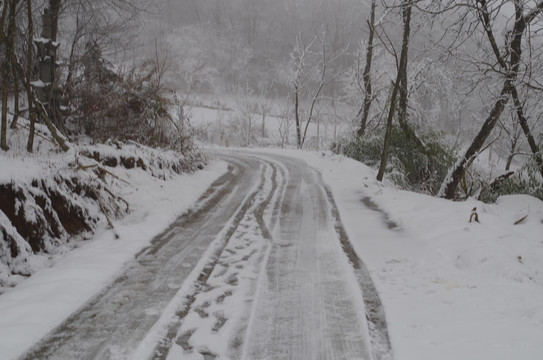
[
  {"x": 297, "y": 117},
  {"x": 514, "y": 44},
  {"x": 402, "y": 72},
  {"x": 31, "y": 115},
  {"x": 4, "y": 55},
  {"x": 526, "y": 129},
  {"x": 368, "y": 95},
  {"x": 388, "y": 132},
  {"x": 7, "y": 45},
  {"x": 449, "y": 186},
  {"x": 47, "y": 53},
  {"x": 263, "y": 130},
  {"x": 403, "y": 116},
  {"x": 16, "y": 93}
]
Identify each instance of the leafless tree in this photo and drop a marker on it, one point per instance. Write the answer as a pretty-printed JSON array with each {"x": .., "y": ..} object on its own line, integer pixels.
[
  {"x": 400, "y": 85},
  {"x": 312, "y": 71},
  {"x": 508, "y": 61},
  {"x": 364, "y": 111}
]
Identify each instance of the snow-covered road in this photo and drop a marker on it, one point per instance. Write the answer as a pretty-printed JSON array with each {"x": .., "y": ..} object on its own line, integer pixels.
[{"x": 257, "y": 270}]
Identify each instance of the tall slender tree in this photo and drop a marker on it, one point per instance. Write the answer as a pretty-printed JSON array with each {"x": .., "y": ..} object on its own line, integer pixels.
[
  {"x": 29, "y": 58},
  {"x": 8, "y": 47},
  {"x": 398, "y": 84},
  {"x": 364, "y": 111}
]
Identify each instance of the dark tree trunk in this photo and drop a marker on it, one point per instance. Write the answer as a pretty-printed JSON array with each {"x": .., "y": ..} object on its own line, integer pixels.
[
  {"x": 29, "y": 57},
  {"x": 16, "y": 93},
  {"x": 297, "y": 117},
  {"x": 402, "y": 72},
  {"x": 526, "y": 129},
  {"x": 47, "y": 53},
  {"x": 514, "y": 42},
  {"x": 368, "y": 95},
  {"x": 449, "y": 186},
  {"x": 403, "y": 115},
  {"x": 388, "y": 132},
  {"x": 7, "y": 46}
]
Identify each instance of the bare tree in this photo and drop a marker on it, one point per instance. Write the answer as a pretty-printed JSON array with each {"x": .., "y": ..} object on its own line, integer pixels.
[
  {"x": 29, "y": 57},
  {"x": 312, "y": 72},
  {"x": 285, "y": 122},
  {"x": 509, "y": 62},
  {"x": 399, "y": 86},
  {"x": 364, "y": 111},
  {"x": 244, "y": 115}
]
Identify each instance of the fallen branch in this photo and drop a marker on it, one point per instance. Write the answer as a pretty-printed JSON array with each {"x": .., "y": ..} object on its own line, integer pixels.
[
  {"x": 496, "y": 182},
  {"x": 86, "y": 167},
  {"x": 51, "y": 141},
  {"x": 501, "y": 178},
  {"x": 118, "y": 198},
  {"x": 522, "y": 220},
  {"x": 102, "y": 208},
  {"x": 113, "y": 175}
]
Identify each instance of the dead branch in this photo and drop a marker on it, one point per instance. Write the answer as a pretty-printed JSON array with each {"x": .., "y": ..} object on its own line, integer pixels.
[
  {"x": 112, "y": 174},
  {"x": 102, "y": 208},
  {"x": 118, "y": 198},
  {"x": 37, "y": 133},
  {"x": 86, "y": 167},
  {"x": 522, "y": 220}
]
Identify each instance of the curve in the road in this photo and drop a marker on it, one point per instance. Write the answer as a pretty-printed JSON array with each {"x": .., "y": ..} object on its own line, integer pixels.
[{"x": 261, "y": 267}]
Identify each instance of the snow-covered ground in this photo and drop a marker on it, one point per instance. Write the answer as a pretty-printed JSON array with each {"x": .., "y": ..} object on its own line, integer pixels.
[
  {"x": 451, "y": 289},
  {"x": 224, "y": 128}
]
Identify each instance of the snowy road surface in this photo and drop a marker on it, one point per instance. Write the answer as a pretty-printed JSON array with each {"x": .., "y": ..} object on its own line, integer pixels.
[{"x": 257, "y": 270}]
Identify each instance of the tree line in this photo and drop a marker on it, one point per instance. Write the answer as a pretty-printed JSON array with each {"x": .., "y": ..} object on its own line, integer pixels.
[
  {"x": 466, "y": 33},
  {"x": 427, "y": 86},
  {"x": 442, "y": 81},
  {"x": 57, "y": 70}
]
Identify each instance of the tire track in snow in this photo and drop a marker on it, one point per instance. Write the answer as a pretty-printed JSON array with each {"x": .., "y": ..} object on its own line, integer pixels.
[
  {"x": 305, "y": 307},
  {"x": 375, "y": 315},
  {"x": 115, "y": 321},
  {"x": 227, "y": 280}
]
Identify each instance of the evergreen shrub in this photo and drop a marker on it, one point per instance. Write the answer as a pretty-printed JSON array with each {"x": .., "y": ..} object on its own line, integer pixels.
[
  {"x": 527, "y": 180},
  {"x": 409, "y": 166}
]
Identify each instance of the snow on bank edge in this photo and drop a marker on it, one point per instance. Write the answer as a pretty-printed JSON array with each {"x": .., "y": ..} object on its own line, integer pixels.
[{"x": 39, "y": 304}]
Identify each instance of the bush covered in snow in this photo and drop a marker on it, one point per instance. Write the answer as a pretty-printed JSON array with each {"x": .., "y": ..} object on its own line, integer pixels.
[
  {"x": 409, "y": 167},
  {"x": 123, "y": 105},
  {"x": 527, "y": 181}
]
